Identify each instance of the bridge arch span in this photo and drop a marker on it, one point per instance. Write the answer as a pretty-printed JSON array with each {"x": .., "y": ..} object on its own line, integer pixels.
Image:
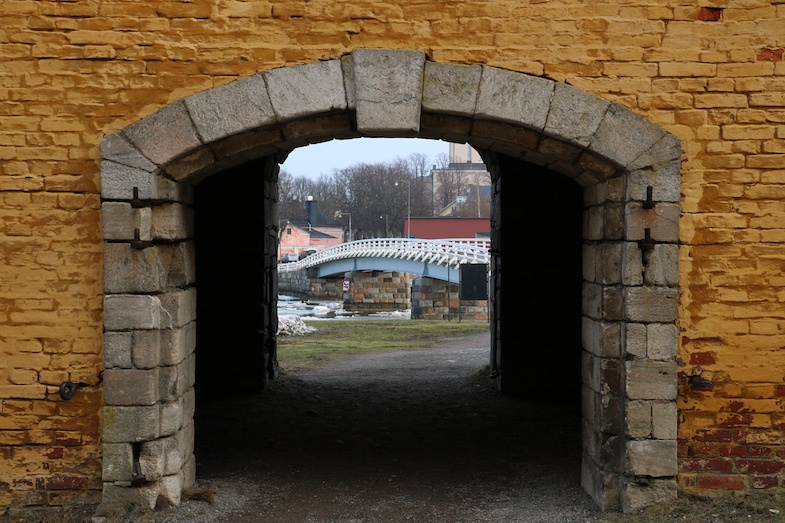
[
  {"x": 439, "y": 259},
  {"x": 627, "y": 166}
]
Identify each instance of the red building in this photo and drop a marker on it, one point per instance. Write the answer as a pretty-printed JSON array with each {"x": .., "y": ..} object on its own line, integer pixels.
[
  {"x": 438, "y": 228},
  {"x": 313, "y": 233}
]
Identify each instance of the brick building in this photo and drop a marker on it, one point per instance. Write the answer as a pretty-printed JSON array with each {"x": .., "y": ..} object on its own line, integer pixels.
[
  {"x": 131, "y": 132},
  {"x": 311, "y": 232}
]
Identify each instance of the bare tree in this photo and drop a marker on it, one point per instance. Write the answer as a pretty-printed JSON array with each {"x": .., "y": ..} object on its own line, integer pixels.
[
  {"x": 377, "y": 195},
  {"x": 449, "y": 185},
  {"x": 442, "y": 160}
]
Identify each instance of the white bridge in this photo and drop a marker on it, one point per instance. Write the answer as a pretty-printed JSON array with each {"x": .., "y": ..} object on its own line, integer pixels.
[{"x": 438, "y": 259}]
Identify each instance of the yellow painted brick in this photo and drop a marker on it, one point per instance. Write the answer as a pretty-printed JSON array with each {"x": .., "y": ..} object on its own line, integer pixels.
[
  {"x": 665, "y": 101},
  {"x": 22, "y": 391},
  {"x": 708, "y": 101},
  {"x": 766, "y": 161},
  {"x": 750, "y": 84},
  {"x": 720, "y": 84},
  {"x": 687, "y": 69},
  {"x": 767, "y": 99},
  {"x": 630, "y": 69},
  {"x": 746, "y": 147},
  {"x": 745, "y": 69},
  {"x": 23, "y": 377}
]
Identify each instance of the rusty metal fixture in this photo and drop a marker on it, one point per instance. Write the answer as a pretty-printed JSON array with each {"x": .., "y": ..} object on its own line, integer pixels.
[
  {"x": 646, "y": 245},
  {"x": 649, "y": 202},
  {"x": 136, "y": 203},
  {"x": 137, "y": 242},
  {"x": 68, "y": 389}
]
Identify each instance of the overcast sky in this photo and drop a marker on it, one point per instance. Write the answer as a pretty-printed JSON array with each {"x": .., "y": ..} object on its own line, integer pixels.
[{"x": 322, "y": 158}]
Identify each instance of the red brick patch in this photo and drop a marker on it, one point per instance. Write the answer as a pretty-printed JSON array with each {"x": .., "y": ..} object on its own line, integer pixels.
[
  {"x": 765, "y": 481},
  {"x": 771, "y": 55},
  {"x": 702, "y": 358},
  {"x": 733, "y": 451},
  {"x": 55, "y": 453},
  {"x": 710, "y": 14},
  {"x": 722, "y": 482},
  {"x": 760, "y": 466},
  {"x": 65, "y": 483},
  {"x": 722, "y": 435}
]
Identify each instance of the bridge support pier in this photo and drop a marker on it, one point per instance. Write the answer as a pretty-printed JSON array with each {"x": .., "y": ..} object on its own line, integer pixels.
[
  {"x": 377, "y": 291},
  {"x": 434, "y": 299}
]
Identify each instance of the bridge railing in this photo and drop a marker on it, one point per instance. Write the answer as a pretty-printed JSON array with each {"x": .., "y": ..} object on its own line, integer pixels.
[{"x": 447, "y": 252}]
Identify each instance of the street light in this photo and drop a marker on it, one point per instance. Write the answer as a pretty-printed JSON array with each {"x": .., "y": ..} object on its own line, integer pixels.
[
  {"x": 386, "y": 225},
  {"x": 408, "y": 205},
  {"x": 338, "y": 214}
]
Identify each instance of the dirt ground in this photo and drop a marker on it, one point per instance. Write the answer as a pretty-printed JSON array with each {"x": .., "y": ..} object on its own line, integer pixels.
[{"x": 416, "y": 435}]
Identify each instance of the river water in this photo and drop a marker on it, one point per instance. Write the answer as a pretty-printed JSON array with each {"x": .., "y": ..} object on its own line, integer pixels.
[{"x": 325, "y": 310}]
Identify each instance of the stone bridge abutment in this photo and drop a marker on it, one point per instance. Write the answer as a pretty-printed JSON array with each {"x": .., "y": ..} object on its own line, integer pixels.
[{"x": 624, "y": 170}]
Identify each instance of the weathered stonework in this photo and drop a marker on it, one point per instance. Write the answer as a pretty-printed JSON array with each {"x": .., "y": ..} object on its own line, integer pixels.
[
  {"x": 300, "y": 284},
  {"x": 74, "y": 75},
  {"x": 371, "y": 292},
  {"x": 440, "y": 300}
]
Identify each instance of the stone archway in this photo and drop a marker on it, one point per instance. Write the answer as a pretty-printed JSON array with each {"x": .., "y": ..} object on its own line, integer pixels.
[{"x": 628, "y": 167}]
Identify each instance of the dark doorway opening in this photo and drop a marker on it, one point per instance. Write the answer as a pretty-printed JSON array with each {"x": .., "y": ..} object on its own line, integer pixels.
[
  {"x": 540, "y": 238},
  {"x": 234, "y": 352}
]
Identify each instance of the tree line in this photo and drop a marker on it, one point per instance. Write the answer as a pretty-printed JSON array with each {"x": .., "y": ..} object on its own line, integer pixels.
[{"x": 378, "y": 196}]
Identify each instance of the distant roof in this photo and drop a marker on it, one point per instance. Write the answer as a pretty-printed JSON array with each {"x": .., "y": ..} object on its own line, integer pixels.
[
  {"x": 304, "y": 225},
  {"x": 472, "y": 192}
]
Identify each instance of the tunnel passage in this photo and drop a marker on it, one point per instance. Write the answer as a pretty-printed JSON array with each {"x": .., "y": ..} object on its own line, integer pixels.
[
  {"x": 235, "y": 353},
  {"x": 541, "y": 240},
  {"x": 408, "y": 435}
]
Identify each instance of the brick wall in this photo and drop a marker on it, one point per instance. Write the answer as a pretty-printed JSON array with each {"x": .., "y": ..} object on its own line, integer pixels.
[{"x": 74, "y": 72}]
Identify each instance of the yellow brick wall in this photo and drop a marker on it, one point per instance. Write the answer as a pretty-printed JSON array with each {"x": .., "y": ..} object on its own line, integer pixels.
[{"x": 72, "y": 72}]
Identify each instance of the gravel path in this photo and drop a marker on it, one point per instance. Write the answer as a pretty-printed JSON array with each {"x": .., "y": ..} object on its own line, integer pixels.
[{"x": 415, "y": 435}]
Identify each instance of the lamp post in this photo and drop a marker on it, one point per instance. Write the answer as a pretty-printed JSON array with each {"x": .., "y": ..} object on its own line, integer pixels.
[
  {"x": 408, "y": 205},
  {"x": 338, "y": 214},
  {"x": 386, "y": 225}
]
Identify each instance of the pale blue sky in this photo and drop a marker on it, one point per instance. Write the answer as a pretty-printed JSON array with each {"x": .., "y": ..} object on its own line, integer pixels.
[{"x": 322, "y": 158}]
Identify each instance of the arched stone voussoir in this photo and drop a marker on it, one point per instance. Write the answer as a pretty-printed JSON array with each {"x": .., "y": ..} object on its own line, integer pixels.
[
  {"x": 450, "y": 89},
  {"x": 233, "y": 108},
  {"x": 306, "y": 90},
  {"x": 666, "y": 150},
  {"x": 574, "y": 115},
  {"x": 623, "y": 136},
  {"x": 165, "y": 135},
  {"x": 514, "y": 98},
  {"x": 388, "y": 91},
  {"x": 116, "y": 148}
]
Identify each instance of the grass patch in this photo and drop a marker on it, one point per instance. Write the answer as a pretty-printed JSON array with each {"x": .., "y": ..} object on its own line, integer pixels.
[{"x": 337, "y": 339}]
